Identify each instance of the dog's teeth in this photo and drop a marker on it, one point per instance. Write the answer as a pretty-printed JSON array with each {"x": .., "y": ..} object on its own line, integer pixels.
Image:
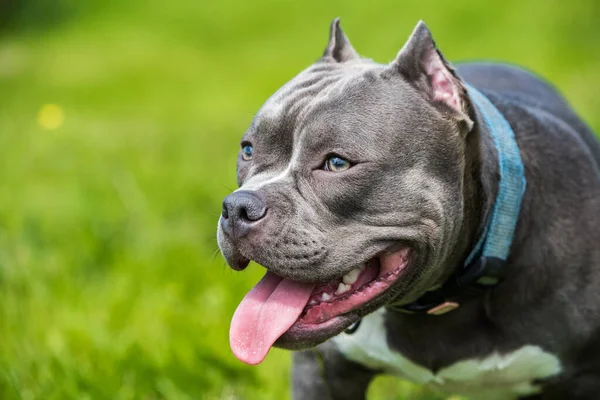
[
  {"x": 312, "y": 302},
  {"x": 342, "y": 288},
  {"x": 351, "y": 276},
  {"x": 325, "y": 297}
]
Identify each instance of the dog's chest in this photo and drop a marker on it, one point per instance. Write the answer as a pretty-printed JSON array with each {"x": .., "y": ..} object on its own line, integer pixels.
[{"x": 495, "y": 376}]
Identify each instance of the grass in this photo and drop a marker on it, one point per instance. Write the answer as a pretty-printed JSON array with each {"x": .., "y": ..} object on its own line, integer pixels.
[{"x": 110, "y": 287}]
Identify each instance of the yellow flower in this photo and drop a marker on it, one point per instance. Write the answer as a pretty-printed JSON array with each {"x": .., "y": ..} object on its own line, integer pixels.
[{"x": 50, "y": 117}]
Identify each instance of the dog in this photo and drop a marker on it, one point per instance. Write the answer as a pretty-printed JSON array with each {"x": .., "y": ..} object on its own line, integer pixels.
[{"x": 439, "y": 224}]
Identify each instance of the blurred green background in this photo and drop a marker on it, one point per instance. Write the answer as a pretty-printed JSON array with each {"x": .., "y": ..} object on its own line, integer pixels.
[{"x": 119, "y": 130}]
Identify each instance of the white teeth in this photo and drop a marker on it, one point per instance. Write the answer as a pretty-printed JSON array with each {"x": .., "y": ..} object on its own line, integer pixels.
[
  {"x": 342, "y": 288},
  {"x": 312, "y": 302},
  {"x": 325, "y": 297},
  {"x": 351, "y": 276}
]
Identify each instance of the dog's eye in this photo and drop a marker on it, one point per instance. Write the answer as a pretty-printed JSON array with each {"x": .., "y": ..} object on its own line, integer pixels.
[
  {"x": 336, "y": 164},
  {"x": 247, "y": 151}
]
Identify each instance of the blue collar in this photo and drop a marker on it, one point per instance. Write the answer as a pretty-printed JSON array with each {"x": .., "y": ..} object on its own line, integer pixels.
[
  {"x": 499, "y": 232},
  {"x": 485, "y": 266}
]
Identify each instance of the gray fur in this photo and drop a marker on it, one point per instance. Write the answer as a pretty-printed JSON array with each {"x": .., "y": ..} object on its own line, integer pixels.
[
  {"x": 339, "y": 47},
  {"x": 425, "y": 177}
]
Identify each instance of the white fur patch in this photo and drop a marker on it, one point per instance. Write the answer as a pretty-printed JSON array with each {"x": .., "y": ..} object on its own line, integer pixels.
[
  {"x": 494, "y": 377},
  {"x": 266, "y": 178}
]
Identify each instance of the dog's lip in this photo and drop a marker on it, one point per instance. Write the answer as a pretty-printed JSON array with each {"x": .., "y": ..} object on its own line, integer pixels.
[
  {"x": 301, "y": 335},
  {"x": 323, "y": 327}
]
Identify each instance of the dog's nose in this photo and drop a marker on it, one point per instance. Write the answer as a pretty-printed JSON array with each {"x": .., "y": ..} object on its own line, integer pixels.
[{"x": 241, "y": 211}]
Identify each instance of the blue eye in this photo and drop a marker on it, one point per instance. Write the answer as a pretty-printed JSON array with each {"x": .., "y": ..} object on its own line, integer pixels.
[
  {"x": 247, "y": 151},
  {"x": 336, "y": 164}
]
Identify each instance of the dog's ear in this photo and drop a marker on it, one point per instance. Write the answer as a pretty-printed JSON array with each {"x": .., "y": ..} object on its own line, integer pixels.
[
  {"x": 423, "y": 65},
  {"x": 339, "y": 48}
]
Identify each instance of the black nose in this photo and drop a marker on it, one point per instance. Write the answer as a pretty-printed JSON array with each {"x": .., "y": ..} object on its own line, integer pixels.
[{"x": 241, "y": 210}]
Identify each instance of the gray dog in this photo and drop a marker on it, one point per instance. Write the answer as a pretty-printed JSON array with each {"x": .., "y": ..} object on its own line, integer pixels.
[{"x": 436, "y": 224}]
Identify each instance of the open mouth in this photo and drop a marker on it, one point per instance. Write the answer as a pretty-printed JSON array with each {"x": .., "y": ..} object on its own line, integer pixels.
[{"x": 276, "y": 305}]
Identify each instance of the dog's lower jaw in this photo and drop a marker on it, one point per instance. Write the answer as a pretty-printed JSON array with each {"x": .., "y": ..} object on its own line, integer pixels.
[{"x": 300, "y": 337}]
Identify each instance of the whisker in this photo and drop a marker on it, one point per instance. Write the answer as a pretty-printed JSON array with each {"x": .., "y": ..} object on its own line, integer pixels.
[
  {"x": 214, "y": 255},
  {"x": 227, "y": 187}
]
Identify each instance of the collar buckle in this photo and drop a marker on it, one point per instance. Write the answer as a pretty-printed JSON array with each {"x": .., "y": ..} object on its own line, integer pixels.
[{"x": 443, "y": 308}]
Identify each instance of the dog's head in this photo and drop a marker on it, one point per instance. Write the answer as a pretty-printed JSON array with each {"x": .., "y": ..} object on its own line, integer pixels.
[{"x": 351, "y": 193}]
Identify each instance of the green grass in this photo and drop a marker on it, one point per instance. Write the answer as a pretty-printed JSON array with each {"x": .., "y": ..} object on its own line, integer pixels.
[{"x": 109, "y": 283}]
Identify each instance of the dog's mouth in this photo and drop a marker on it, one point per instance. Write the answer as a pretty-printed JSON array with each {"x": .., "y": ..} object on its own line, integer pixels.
[{"x": 277, "y": 305}]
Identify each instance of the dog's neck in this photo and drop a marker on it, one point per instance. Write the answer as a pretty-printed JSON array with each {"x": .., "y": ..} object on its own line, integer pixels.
[{"x": 480, "y": 188}]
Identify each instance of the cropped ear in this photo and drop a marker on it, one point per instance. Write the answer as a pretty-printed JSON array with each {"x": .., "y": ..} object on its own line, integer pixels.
[
  {"x": 339, "y": 48},
  {"x": 423, "y": 65}
]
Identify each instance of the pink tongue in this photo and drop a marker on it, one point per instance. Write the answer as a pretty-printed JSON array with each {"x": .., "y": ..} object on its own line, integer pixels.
[{"x": 267, "y": 311}]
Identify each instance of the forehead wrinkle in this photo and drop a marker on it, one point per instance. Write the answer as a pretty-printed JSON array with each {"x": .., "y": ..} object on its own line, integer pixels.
[
  {"x": 304, "y": 79},
  {"x": 312, "y": 81},
  {"x": 305, "y": 93},
  {"x": 333, "y": 88},
  {"x": 289, "y": 108},
  {"x": 284, "y": 104}
]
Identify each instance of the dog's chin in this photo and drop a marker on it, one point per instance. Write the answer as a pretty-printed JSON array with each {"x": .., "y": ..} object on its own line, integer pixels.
[
  {"x": 305, "y": 336},
  {"x": 337, "y": 305}
]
